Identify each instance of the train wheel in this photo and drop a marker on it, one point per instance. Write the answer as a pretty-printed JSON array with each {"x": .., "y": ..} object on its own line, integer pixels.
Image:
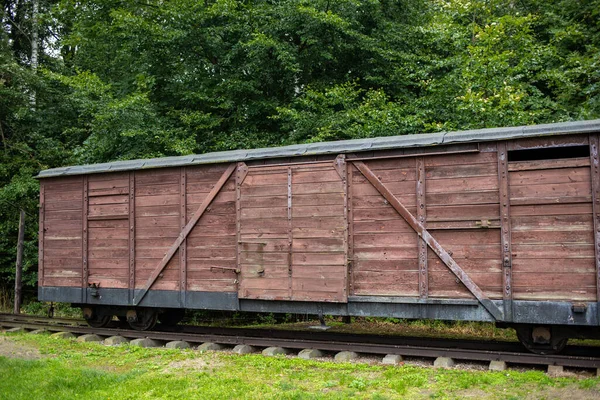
[
  {"x": 171, "y": 316},
  {"x": 95, "y": 318},
  {"x": 142, "y": 319},
  {"x": 541, "y": 339}
]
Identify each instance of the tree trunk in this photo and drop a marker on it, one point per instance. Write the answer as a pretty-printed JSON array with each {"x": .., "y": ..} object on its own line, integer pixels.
[
  {"x": 19, "y": 264},
  {"x": 34, "y": 44}
]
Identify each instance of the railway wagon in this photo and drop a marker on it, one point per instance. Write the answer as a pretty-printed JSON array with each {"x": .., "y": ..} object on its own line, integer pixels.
[{"x": 499, "y": 225}]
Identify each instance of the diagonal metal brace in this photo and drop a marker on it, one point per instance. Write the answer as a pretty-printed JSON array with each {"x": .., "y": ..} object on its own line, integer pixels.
[
  {"x": 184, "y": 233},
  {"x": 430, "y": 240}
]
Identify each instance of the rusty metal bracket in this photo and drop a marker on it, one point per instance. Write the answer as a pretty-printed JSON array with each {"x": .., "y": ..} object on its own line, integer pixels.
[
  {"x": 236, "y": 270},
  {"x": 340, "y": 166},
  {"x": 242, "y": 171},
  {"x": 430, "y": 240},
  {"x": 184, "y": 233}
]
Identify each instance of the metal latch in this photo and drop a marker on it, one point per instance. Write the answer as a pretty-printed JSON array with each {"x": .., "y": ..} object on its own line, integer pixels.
[
  {"x": 95, "y": 292},
  {"x": 579, "y": 308},
  {"x": 484, "y": 223}
]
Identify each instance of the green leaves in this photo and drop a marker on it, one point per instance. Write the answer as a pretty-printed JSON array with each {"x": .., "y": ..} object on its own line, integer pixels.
[{"x": 120, "y": 80}]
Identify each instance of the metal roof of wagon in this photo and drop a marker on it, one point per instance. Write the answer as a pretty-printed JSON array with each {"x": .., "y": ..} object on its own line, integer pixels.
[{"x": 342, "y": 146}]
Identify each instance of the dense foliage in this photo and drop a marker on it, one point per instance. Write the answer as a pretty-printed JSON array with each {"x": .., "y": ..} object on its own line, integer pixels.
[{"x": 94, "y": 81}]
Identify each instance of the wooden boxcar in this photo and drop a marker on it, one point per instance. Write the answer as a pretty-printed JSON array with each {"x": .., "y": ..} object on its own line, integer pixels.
[{"x": 494, "y": 225}]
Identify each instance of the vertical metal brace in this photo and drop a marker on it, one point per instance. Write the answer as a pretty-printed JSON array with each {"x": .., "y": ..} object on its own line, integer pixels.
[
  {"x": 505, "y": 231},
  {"x": 41, "y": 235},
  {"x": 342, "y": 169},
  {"x": 131, "y": 236},
  {"x": 84, "y": 241},
  {"x": 240, "y": 175},
  {"x": 350, "y": 225},
  {"x": 595, "y": 172},
  {"x": 422, "y": 216},
  {"x": 183, "y": 246},
  {"x": 290, "y": 232}
]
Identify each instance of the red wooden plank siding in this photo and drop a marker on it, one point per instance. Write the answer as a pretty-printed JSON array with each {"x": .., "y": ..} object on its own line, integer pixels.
[
  {"x": 319, "y": 226},
  {"x": 293, "y": 233},
  {"x": 62, "y": 259},
  {"x": 107, "y": 220},
  {"x": 212, "y": 243},
  {"x": 385, "y": 247},
  {"x": 157, "y": 220},
  {"x": 552, "y": 230},
  {"x": 264, "y": 225},
  {"x": 462, "y": 197}
]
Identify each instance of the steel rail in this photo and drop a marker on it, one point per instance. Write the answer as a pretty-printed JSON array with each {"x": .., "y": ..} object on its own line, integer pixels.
[{"x": 314, "y": 341}]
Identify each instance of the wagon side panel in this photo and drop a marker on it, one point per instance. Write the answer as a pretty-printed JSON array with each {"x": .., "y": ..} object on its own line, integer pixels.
[
  {"x": 463, "y": 214},
  {"x": 157, "y": 226},
  {"x": 211, "y": 245},
  {"x": 107, "y": 230},
  {"x": 62, "y": 238},
  {"x": 264, "y": 246},
  {"x": 318, "y": 232},
  {"x": 454, "y": 197},
  {"x": 293, "y": 233},
  {"x": 552, "y": 230},
  {"x": 385, "y": 253}
]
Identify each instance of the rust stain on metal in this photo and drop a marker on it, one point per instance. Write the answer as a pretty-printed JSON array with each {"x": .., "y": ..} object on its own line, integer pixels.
[
  {"x": 430, "y": 240},
  {"x": 340, "y": 166}
]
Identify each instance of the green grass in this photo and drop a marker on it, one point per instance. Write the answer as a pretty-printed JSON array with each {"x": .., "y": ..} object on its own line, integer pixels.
[{"x": 69, "y": 370}]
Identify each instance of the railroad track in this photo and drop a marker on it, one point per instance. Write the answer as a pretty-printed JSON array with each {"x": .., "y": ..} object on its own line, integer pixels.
[{"x": 463, "y": 350}]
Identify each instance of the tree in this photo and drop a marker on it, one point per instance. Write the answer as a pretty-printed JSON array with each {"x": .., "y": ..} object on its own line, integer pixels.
[{"x": 119, "y": 80}]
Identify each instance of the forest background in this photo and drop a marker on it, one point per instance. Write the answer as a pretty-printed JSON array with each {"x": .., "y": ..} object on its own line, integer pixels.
[{"x": 94, "y": 81}]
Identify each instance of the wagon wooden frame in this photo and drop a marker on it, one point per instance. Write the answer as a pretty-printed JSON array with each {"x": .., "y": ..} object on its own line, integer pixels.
[{"x": 360, "y": 227}]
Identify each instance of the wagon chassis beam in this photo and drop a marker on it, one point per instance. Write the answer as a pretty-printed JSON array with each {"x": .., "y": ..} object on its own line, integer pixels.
[{"x": 425, "y": 236}]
